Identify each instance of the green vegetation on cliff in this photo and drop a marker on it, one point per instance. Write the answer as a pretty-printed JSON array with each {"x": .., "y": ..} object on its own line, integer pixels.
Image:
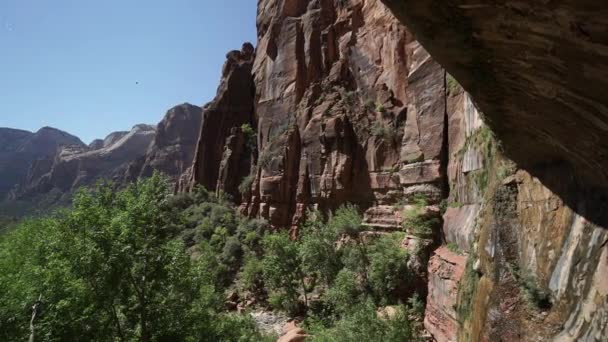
[{"x": 143, "y": 264}]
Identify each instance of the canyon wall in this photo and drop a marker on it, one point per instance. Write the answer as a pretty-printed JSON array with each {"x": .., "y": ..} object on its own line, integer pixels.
[
  {"x": 340, "y": 103},
  {"x": 44, "y": 170}
]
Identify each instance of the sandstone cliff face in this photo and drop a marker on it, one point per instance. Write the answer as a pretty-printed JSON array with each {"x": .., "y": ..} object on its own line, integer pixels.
[
  {"x": 348, "y": 107},
  {"x": 52, "y": 177},
  {"x": 220, "y": 139},
  {"x": 75, "y": 166},
  {"x": 19, "y": 149},
  {"x": 172, "y": 150},
  {"x": 341, "y": 115},
  {"x": 536, "y": 69}
]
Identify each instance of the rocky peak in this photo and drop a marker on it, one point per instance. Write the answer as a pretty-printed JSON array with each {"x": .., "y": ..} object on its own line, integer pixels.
[{"x": 172, "y": 150}]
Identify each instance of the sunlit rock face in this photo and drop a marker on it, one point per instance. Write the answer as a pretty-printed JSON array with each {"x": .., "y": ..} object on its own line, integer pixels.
[
  {"x": 172, "y": 150},
  {"x": 75, "y": 166},
  {"x": 54, "y": 174},
  {"x": 347, "y": 106},
  {"x": 20, "y": 149}
]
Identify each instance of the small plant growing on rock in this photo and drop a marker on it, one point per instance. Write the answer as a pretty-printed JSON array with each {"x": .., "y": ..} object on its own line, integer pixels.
[
  {"x": 452, "y": 84},
  {"x": 370, "y": 104},
  {"x": 246, "y": 183},
  {"x": 535, "y": 295},
  {"x": 383, "y": 131},
  {"x": 417, "y": 222},
  {"x": 380, "y": 108},
  {"x": 453, "y": 247}
]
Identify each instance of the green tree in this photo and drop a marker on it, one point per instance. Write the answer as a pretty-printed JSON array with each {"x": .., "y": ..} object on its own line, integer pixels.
[
  {"x": 317, "y": 249},
  {"x": 282, "y": 270},
  {"x": 111, "y": 269}
]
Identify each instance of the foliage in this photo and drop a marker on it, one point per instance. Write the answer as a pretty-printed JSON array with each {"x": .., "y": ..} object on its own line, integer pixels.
[
  {"x": 346, "y": 291},
  {"x": 246, "y": 183},
  {"x": 388, "y": 268},
  {"x": 250, "y": 137},
  {"x": 453, "y": 247},
  {"x": 467, "y": 288},
  {"x": 536, "y": 296},
  {"x": 417, "y": 222},
  {"x": 111, "y": 269},
  {"x": 364, "y": 324},
  {"x": 370, "y": 104},
  {"x": 317, "y": 249},
  {"x": 282, "y": 271},
  {"x": 452, "y": 84},
  {"x": 380, "y": 108},
  {"x": 347, "y": 220},
  {"x": 384, "y": 131},
  {"x": 142, "y": 264}
]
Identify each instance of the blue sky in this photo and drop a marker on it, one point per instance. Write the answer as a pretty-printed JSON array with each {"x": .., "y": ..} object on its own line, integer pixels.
[{"x": 75, "y": 64}]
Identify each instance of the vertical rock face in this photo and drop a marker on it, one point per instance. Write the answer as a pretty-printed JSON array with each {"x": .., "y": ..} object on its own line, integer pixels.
[
  {"x": 20, "y": 149},
  {"x": 347, "y": 107},
  {"x": 445, "y": 271},
  {"x": 172, "y": 150},
  {"x": 232, "y": 107},
  {"x": 537, "y": 72}
]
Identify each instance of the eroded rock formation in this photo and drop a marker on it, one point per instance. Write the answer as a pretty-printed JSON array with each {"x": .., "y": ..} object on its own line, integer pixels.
[
  {"x": 49, "y": 174},
  {"x": 348, "y": 107},
  {"x": 20, "y": 149},
  {"x": 536, "y": 70}
]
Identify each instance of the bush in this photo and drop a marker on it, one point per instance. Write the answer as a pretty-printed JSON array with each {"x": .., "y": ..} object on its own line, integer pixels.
[
  {"x": 417, "y": 222},
  {"x": 252, "y": 275},
  {"x": 383, "y": 131},
  {"x": 388, "y": 267},
  {"x": 345, "y": 291},
  {"x": 317, "y": 249},
  {"x": 246, "y": 183},
  {"x": 282, "y": 272},
  {"x": 452, "y": 84},
  {"x": 364, "y": 324},
  {"x": 347, "y": 220}
]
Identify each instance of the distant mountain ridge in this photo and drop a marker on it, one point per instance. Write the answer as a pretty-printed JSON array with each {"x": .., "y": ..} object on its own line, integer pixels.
[{"x": 43, "y": 169}]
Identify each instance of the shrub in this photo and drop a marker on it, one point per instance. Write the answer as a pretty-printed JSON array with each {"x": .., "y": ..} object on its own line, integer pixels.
[
  {"x": 282, "y": 272},
  {"x": 246, "y": 183},
  {"x": 347, "y": 220},
  {"x": 345, "y": 291},
  {"x": 370, "y": 104},
  {"x": 453, "y": 247},
  {"x": 252, "y": 275},
  {"x": 383, "y": 131},
  {"x": 417, "y": 222},
  {"x": 317, "y": 249},
  {"x": 247, "y": 130},
  {"x": 536, "y": 296},
  {"x": 388, "y": 267},
  {"x": 452, "y": 84},
  {"x": 364, "y": 324}
]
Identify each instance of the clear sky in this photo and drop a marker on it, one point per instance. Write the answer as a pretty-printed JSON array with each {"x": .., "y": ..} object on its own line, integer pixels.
[{"x": 90, "y": 67}]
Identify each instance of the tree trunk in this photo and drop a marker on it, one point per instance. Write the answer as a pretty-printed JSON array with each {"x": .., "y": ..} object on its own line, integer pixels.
[{"x": 34, "y": 314}]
